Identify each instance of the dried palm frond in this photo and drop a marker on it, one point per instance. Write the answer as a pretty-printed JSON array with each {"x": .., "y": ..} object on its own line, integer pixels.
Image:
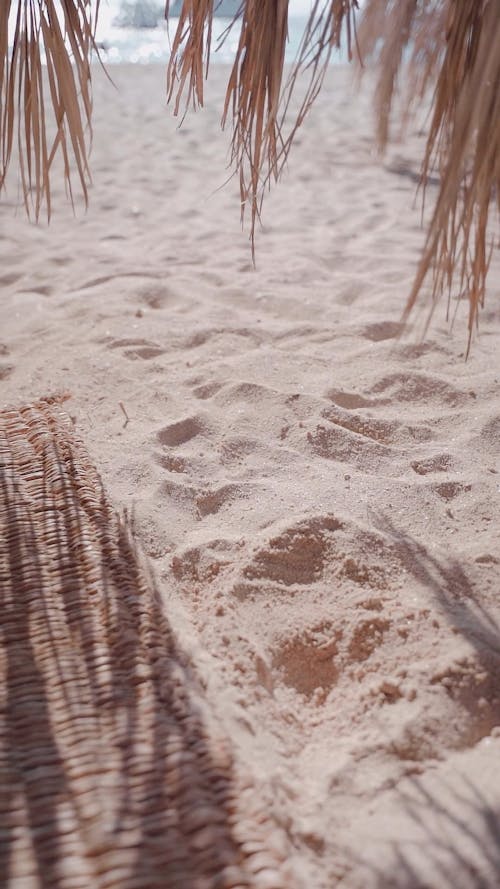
[
  {"x": 388, "y": 24},
  {"x": 455, "y": 48},
  {"x": 450, "y": 46},
  {"x": 190, "y": 51},
  {"x": 464, "y": 144},
  {"x": 257, "y": 96},
  {"x": 61, "y": 35},
  {"x": 253, "y": 94}
]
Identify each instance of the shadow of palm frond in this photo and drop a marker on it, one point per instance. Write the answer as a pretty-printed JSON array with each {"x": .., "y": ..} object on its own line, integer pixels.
[
  {"x": 449, "y": 583},
  {"x": 439, "y": 831},
  {"x": 460, "y": 829},
  {"x": 111, "y": 772}
]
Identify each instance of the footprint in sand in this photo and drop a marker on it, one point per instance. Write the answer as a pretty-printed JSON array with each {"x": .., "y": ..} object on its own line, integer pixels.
[
  {"x": 296, "y": 556},
  {"x": 170, "y": 462},
  {"x": 350, "y": 400},
  {"x": 449, "y": 490},
  {"x": 225, "y": 335},
  {"x": 206, "y": 390},
  {"x": 180, "y": 495},
  {"x": 367, "y": 636},
  {"x": 61, "y": 260},
  {"x": 471, "y": 681},
  {"x": 383, "y": 431},
  {"x": 212, "y": 502},
  {"x": 135, "y": 348},
  {"x": 333, "y": 442},
  {"x": 305, "y": 664},
  {"x": 323, "y": 549},
  {"x": 420, "y": 387},
  {"x": 312, "y": 661},
  {"x": 234, "y": 450},
  {"x": 180, "y": 432},
  {"x": 202, "y": 503},
  {"x": 382, "y": 330},
  {"x": 205, "y": 562}
]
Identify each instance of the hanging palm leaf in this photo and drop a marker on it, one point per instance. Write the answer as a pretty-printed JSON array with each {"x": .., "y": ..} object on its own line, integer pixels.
[
  {"x": 450, "y": 47},
  {"x": 61, "y": 36}
]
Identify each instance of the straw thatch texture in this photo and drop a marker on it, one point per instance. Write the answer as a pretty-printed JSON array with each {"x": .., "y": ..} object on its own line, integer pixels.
[{"x": 110, "y": 775}]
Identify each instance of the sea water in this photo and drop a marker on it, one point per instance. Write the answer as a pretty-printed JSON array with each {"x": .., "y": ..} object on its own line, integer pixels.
[{"x": 152, "y": 45}]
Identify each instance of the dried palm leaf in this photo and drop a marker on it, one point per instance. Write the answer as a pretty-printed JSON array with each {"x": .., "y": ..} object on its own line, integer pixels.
[
  {"x": 257, "y": 96},
  {"x": 464, "y": 144},
  {"x": 455, "y": 48},
  {"x": 190, "y": 51},
  {"x": 59, "y": 35}
]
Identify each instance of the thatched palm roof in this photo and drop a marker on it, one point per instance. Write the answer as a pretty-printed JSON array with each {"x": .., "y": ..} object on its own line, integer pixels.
[{"x": 454, "y": 49}]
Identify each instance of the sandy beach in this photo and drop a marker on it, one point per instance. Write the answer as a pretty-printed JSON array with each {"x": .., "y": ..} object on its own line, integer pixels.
[{"x": 317, "y": 490}]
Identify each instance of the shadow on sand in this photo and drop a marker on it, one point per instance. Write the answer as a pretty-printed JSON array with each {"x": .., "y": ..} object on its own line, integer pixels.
[
  {"x": 447, "y": 820},
  {"x": 109, "y": 772}
]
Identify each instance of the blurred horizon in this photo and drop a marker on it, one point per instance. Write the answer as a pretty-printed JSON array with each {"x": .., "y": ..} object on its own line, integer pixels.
[{"x": 130, "y": 31}]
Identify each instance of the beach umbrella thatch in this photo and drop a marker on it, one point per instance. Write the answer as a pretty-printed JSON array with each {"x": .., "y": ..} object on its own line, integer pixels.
[{"x": 448, "y": 47}]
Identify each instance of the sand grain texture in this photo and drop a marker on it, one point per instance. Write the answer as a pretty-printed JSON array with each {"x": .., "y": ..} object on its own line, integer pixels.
[{"x": 318, "y": 496}]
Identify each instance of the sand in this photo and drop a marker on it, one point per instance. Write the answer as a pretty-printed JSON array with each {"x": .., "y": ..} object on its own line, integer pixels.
[{"x": 318, "y": 496}]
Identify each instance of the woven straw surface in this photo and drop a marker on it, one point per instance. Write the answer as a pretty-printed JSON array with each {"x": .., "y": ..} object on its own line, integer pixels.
[{"x": 109, "y": 774}]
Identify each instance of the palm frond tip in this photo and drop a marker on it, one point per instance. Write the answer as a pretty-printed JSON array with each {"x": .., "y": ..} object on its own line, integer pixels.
[
  {"x": 453, "y": 48},
  {"x": 61, "y": 37}
]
